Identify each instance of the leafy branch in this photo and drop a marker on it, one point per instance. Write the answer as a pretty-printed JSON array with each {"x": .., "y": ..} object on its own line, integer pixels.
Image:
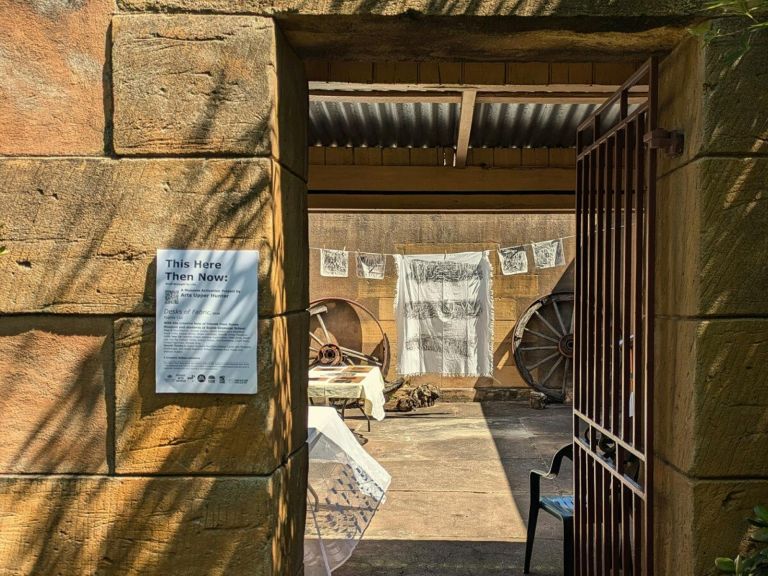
[
  {"x": 754, "y": 560},
  {"x": 747, "y": 19}
]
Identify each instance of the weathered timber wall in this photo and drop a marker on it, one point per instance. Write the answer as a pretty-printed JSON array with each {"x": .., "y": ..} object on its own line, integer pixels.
[
  {"x": 122, "y": 134},
  {"x": 430, "y": 233},
  {"x": 712, "y": 309}
]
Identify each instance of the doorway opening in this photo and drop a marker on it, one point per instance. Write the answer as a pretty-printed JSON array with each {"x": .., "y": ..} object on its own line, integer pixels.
[{"x": 445, "y": 158}]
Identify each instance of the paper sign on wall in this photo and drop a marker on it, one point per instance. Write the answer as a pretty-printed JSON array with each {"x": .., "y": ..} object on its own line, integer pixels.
[{"x": 207, "y": 314}]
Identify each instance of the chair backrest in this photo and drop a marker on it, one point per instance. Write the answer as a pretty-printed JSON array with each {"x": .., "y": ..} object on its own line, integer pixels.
[{"x": 557, "y": 460}]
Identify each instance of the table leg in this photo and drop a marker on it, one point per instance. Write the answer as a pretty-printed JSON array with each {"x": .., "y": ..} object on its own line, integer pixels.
[{"x": 367, "y": 418}]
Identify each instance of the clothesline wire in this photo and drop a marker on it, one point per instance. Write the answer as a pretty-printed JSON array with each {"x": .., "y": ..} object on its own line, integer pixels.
[{"x": 498, "y": 244}]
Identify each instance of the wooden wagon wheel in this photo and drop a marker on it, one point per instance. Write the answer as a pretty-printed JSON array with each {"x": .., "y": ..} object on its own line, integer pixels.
[
  {"x": 543, "y": 345},
  {"x": 344, "y": 332}
]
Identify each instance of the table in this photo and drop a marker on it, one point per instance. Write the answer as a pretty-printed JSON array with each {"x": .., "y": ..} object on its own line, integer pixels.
[
  {"x": 346, "y": 485},
  {"x": 364, "y": 383}
]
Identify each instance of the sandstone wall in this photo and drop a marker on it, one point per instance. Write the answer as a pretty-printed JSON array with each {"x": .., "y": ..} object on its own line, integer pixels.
[
  {"x": 419, "y": 233},
  {"x": 122, "y": 134},
  {"x": 122, "y": 131},
  {"x": 711, "y": 330}
]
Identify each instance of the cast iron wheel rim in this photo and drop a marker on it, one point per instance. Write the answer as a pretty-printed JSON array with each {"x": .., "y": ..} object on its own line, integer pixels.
[
  {"x": 542, "y": 344},
  {"x": 329, "y": 349}
]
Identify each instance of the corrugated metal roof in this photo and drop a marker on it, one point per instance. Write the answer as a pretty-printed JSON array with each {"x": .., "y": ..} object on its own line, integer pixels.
[
  {"x": 527, "y": 125},
  {"x": 431, "y": 124},
  {"x": 414, "y": 125}
]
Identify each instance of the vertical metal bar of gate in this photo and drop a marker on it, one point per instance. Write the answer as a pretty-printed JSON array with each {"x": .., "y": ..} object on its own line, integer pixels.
[{"x": 613, "y": 391}]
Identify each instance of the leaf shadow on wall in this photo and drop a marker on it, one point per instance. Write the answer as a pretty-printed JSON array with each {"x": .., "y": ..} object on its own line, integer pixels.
[{"x": 153, "y": 485}]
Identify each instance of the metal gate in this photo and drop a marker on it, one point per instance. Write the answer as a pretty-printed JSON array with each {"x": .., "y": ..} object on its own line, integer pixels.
[{"x": 613, "y": 376}]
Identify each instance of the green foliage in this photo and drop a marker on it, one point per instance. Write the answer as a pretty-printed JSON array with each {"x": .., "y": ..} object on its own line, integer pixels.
[
  {"x": 743, "y": 21},
  {"x": 755, "y": 563}
]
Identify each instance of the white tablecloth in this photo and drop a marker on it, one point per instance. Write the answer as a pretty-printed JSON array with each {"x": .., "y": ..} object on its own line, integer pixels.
[
  {"x": 346, "y": 487},
  {"x": 352, "y": 383}
]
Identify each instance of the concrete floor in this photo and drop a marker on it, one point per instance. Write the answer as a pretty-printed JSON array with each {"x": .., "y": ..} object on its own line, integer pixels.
[{"x": 459, "y": 499}]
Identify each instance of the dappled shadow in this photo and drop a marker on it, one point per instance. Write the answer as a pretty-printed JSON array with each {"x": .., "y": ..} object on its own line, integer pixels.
[
  {"x": 171, "y": 484},
  {"x": 62, "y": 373},
  {"x": 711, "y": 398},
  {"x": 484, "y": 30}
]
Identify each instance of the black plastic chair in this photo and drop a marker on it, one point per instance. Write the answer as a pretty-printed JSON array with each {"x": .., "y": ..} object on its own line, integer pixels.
[{"x": 561, "y": 507}]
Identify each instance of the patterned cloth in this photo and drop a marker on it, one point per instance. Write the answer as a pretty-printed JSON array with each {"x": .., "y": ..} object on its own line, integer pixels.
[
  {"x": 371, "y": 266},
  {"x": 444, "y": 310},
  {"x": 334, "y": 263},
  {"x": 513, "y": 260},
  {"x": 548, "y": 254}
]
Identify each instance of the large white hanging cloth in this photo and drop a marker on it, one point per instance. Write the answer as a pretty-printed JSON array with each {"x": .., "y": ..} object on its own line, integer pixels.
[{"x": 444, "y": 311}]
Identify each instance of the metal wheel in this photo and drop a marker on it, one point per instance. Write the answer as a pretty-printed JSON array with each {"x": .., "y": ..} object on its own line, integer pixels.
[
  {"x": 543, "y": 345},
  {"x": 344, "y": 332}
]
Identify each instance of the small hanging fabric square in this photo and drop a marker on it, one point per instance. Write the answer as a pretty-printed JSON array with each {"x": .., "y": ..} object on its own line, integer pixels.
[
  {"x": 371, "y": 266},
  {"x": 513, "y": 260},
  {"x": 334, "y": 263},
  {"x": 548, "y": 254}
]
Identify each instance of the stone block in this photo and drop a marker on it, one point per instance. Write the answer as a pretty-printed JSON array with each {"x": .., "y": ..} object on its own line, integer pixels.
[
  {"x": 82, "y": 234},
  {"x": 528, "y": 8},
  {"x": 372, "y": 288},
  {"x": 712, "y": 396},
  {"x": 208, "y": 85},
  {"x": 711, "y": 217},
  {"x": 516, "y": 286},
  {"x": 386, "y": 308},
  {"x": 210, "y": 433},
  {"x": 699, "y": 520},
  {"x": 54, "y": 62},
  {"x": 505, "y": 309},
  {"x": 717, "y": 104},
  {"x": 203, "y": 526},
  {"x": 56, "y": 375},
  {"x": 503, "y": 330}
]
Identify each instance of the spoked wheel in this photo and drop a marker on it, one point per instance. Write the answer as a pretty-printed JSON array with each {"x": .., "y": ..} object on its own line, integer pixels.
[
  {"x": 344, "y": 333},
  {"x": 543, "y": 345}
]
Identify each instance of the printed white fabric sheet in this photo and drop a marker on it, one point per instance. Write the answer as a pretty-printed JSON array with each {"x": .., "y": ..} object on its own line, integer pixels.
[
  {"x": 444, "y": 311},
  {"x": 548, "y": 254},
  {"x": 346, "y": 486},
  {"x": 371, "y": 266},
  {"x": 334, "y": 263},
  {"x": 513, "y": 260}
]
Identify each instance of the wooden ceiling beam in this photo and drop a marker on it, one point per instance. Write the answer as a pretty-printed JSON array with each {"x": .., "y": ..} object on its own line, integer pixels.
[
  {"x": 447, "y": 97},
  {"x": 385, "y": 97},
  {"x": 351, "y": 178},
  {"x": 459, "y": 87},
  {"x": 464, "y": 203},
  {"x": 466, "y": 114}
]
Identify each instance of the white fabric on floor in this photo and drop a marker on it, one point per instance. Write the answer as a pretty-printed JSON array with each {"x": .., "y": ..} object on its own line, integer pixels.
[
  {"x": 444, "y": 311},
  {"x": 346, "y": 487},
  {"x": 350, "y": 382}
]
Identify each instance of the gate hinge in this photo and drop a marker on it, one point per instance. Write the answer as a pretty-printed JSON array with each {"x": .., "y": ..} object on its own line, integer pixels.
[{"x": 669, "y": 142}]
